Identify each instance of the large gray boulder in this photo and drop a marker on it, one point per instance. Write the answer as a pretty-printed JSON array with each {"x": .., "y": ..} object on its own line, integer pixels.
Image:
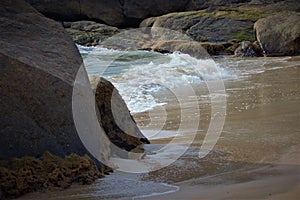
[
  {"x": 89, "y": 32},
  {"x": 122, "y": 130},
  {"x": 39, "y": 63},
  {"x": 279, "y": 34},
  {"x": 46, "y": 101},
  {"x": 126, "y": 13},
  {"x": 129, "y": 13},
  {"x": 136, "y": 10},
  {"x": 109, "y": 12},
  {"x": 205, "y": 26}
]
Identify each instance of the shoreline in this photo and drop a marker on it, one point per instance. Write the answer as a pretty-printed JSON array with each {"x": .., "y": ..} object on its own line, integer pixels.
[{"x": 267, "y": 187}]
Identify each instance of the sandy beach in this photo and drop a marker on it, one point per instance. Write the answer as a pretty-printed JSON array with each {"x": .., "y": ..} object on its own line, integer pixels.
[{"x": 259, "y": 145}]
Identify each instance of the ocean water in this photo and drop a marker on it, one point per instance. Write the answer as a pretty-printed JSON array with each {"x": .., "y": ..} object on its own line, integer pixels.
[{"x": 140, "y": 75}]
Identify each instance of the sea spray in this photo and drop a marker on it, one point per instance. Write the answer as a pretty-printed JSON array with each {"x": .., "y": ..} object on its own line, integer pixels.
[{"x": 139, "y": 75}]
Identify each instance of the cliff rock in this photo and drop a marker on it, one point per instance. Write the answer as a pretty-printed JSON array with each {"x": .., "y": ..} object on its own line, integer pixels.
[{"x": 279, "y": 34}]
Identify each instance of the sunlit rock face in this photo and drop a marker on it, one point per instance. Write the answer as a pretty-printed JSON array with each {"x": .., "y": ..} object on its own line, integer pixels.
[{"x": 279, "y": 38}]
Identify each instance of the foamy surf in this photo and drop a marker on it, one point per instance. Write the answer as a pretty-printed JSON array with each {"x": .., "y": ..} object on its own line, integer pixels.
[{"x": 139, "y": 75}]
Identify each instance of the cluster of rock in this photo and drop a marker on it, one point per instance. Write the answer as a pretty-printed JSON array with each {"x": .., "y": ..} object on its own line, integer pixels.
[
  {"x": 89, "y": 33},
  {"x": 44, "y": 90},
  {"x": 129, "y": 13},
  {"x": 245, "y": 28},
  {"x": 40, "y": 67}
]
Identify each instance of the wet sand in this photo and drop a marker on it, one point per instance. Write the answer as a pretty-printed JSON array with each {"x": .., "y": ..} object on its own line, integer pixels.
[{"x": 258, "y": 153}]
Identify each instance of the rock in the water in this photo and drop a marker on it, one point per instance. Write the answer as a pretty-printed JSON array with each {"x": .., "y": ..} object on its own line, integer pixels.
[
  {"x": 39, "y": 65},
  {"x": 279, "y": 34},
  {"x": 115, "y": 117},
  {"x": 245, "y": 50},
  {"x": 89, "y": 32}
]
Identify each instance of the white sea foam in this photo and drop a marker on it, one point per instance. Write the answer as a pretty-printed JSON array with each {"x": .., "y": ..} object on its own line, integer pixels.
[{"x": 139, "y": 75}]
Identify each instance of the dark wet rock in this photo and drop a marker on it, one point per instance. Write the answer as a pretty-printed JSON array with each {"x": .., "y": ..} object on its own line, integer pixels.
[
  {"x": 39, "y": 63},
  {"x": 202, "y": 27},
  {"x": 47, "y": 106},
  {"x": 125, "y": 13},
  {"x": 115, "y": 117},
  {"x": 89, "y": 32},
  {"x": 203, "y": 4},
  {"x": 279, "y": 34},
  {"x": 108, "y": 12},
  {"x": 139, "y": 10},
  {"x": 245, "y": 50},
  {"x": 130, "y": 13}
]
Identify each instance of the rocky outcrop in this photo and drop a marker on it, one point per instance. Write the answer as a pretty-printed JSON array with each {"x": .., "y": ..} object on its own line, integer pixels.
[
  {"x": 248, "y": 49},
  {"x": 89, "y": 32},
  {"x": 202, "y": 27},
  {"x": 115, "y": 117},
  {"x": 129, "y": 13},
  {"x": 202, "y": 4},
  {"x": 125, "y": 13},
  {"x": 279, "y": 34},
  {"x": 108, "y": 12},
  {"x": 136, "y": 10},
  {"x": 47, "y": 104},
  {"x": 39, "y": 64}
]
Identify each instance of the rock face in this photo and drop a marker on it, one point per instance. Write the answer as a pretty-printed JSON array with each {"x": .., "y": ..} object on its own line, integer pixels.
[
  {"x": 114, "y": 12},
  {"x": 136, "y": 10},
  {"x": 129, "y": 13},
  {"x": 122, "y": 130},
  {"x": 279, "y": 34},
  {"x": 89, "y": 32},
  {"x": 109, "y": 12},
  {"x": 39, "y": 63},
  {"x": 46, "y": 99},
  {"x": 201, "y": 27},
  {"x": 202, "y": 4},
  {"x": 47, "y": 105}
]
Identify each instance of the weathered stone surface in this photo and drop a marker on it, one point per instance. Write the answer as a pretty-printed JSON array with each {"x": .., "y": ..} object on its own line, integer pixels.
[
  {"x": 39, "y": 63},
  {"x": 124, "y": 13},
  {"x": 109, "y": 12},
  {"x": 202, "y": 27},
  {"x": 248, "y": 49},
  {"x": 115, "y": 117},
  {"x": 279, "y": 34},
  {"x": 139, "y": 10},
  {"x": 89, "y": 32},
  {"x": 202, "y": 4}
]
